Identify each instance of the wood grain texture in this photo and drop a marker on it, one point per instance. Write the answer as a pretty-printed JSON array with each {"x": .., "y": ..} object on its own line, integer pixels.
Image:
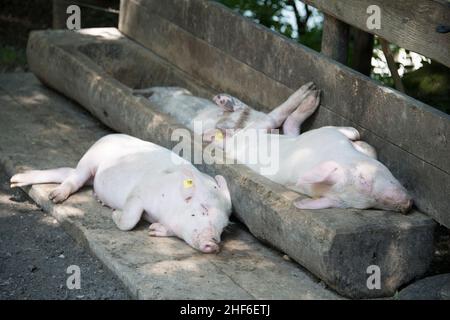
[
  {"x": 335, "y": 39},
  {"x": 407, "y": 23},
  {"x": 362, "y": 51}
]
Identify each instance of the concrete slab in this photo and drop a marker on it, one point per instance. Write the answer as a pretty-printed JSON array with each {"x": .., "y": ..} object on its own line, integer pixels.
[
  {"x": 99, "y": 67},
  {"x": 41, "y": 129},
  {"x": 431, "y": 288}
]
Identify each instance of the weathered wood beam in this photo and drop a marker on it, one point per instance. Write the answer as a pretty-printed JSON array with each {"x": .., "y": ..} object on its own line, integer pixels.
[
  {"x": 362, "y": 51},
  {"x": 335, "y": 39},
  {"x": 59, "y": 14},
  {"x": 410, "y": 24}
]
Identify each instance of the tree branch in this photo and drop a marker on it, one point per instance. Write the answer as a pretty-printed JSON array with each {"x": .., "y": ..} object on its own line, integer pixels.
[{"x": 391, "y": 64}]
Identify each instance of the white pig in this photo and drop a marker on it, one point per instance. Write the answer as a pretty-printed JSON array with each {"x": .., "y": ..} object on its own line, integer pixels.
[
  {"x": 331, "y": 166},
  {"x": 133, "y": 177},
  {"x": 226, "y": 112}
]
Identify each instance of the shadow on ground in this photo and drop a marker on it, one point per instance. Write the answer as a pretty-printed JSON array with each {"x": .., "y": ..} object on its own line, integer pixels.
[{"x": 35, "y": 252}]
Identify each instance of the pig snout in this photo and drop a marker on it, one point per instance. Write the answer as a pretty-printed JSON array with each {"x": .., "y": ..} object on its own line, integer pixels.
[
  {"x": 397, "y": 199},
  {"x": 208, "y": 242},
  {"x": 209, "y": 247},
  {"x": 406, "y": 206}
]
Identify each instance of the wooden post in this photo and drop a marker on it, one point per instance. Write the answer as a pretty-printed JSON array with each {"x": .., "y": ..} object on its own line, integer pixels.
[
  {"x": 335, "y": 39},
  {"x": 59, "y": 14},
  {"x": 362, "y": 51}
]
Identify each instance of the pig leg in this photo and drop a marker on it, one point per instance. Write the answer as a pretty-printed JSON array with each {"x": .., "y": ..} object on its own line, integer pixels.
[
  {"x": 158, "y": 230},
  {"x": 365, "y": 148},
  {"x": 71, "y": 184},
  {"x": 280, "y": 113},
  {"x": 319, "y": 203},
  {"x": 40, "y": 176},
  {"x": 127, "y": 218},
  {"x": 291, "y": 126}
]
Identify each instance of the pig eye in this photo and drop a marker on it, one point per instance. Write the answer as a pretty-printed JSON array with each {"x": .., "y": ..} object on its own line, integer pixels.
[{"x": 188, "y": 199}]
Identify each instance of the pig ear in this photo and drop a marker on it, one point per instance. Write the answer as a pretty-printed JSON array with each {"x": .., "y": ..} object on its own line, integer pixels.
[
  {"x": 221, "y": 182},
  {"x": 223, "y": 186},
  {"x": 224, "y": 101},
  {"x": 327, "y": 173}
]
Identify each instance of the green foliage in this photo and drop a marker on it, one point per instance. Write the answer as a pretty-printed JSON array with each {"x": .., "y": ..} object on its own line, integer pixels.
[
  {"x": 430, "y": 84},
  {"x": 265, "y": 12},
  {"x": 270, "y": 14},
  {"x": 11, "y": 58}
]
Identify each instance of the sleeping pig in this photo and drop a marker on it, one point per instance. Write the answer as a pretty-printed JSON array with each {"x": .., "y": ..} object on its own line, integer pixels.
[
  {"x": 226, "y": 112},
  {"x": 330, "y": 165},
  {"x": 138, "y": 178}
]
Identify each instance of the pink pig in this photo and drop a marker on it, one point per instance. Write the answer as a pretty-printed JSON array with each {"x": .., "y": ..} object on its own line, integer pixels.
[
  {"x": 333, "y": 167},
  {"x": 139, "y": 178}
]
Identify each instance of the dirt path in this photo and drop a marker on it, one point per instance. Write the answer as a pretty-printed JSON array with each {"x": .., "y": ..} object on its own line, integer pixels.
[{"x": 35, "y": 252}]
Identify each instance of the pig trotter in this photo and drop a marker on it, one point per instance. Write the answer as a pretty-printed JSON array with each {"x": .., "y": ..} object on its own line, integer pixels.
[
  {"x": 158, "y": 230},
  {"x": 365, "y": 148},
  {"x": 128, "y": 218},
  {"x": 61, "y": 193},
  {"x": 349, "y": 132},
  {"x": 282, "y": 112},
  {"x": 291, "y": 126}
]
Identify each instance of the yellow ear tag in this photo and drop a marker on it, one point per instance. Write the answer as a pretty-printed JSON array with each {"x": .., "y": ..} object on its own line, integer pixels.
[
  {"x": 218, "y": 136},
  {"x": 188, "y": 183}
]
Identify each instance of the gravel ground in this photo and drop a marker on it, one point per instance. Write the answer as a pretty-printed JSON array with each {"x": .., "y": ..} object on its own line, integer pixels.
[{"x": 35, "y": 253}]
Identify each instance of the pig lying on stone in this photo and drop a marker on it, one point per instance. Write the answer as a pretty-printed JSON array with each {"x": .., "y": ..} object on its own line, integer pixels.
[
  {"x": 229, "y": 113},
  {"x": 139, "y": 178},
  {"x": 330, "y": 164}
]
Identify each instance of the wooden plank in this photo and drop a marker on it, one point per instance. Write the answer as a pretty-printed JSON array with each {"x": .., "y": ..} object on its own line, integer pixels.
[
  {"x": 362, "y": 51},
  {"x": 224, "y": 50},
  {"x": 410, "y": 24},
  {"x": 201, "y": 60},
  {"x": 335, "y": 39}
]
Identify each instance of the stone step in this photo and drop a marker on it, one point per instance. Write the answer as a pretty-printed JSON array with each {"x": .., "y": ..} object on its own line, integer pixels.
[
  {"x": 431, "y": 288},
  {"x": 99, "y": 67},
  {"x": 41, "y": 129}
]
